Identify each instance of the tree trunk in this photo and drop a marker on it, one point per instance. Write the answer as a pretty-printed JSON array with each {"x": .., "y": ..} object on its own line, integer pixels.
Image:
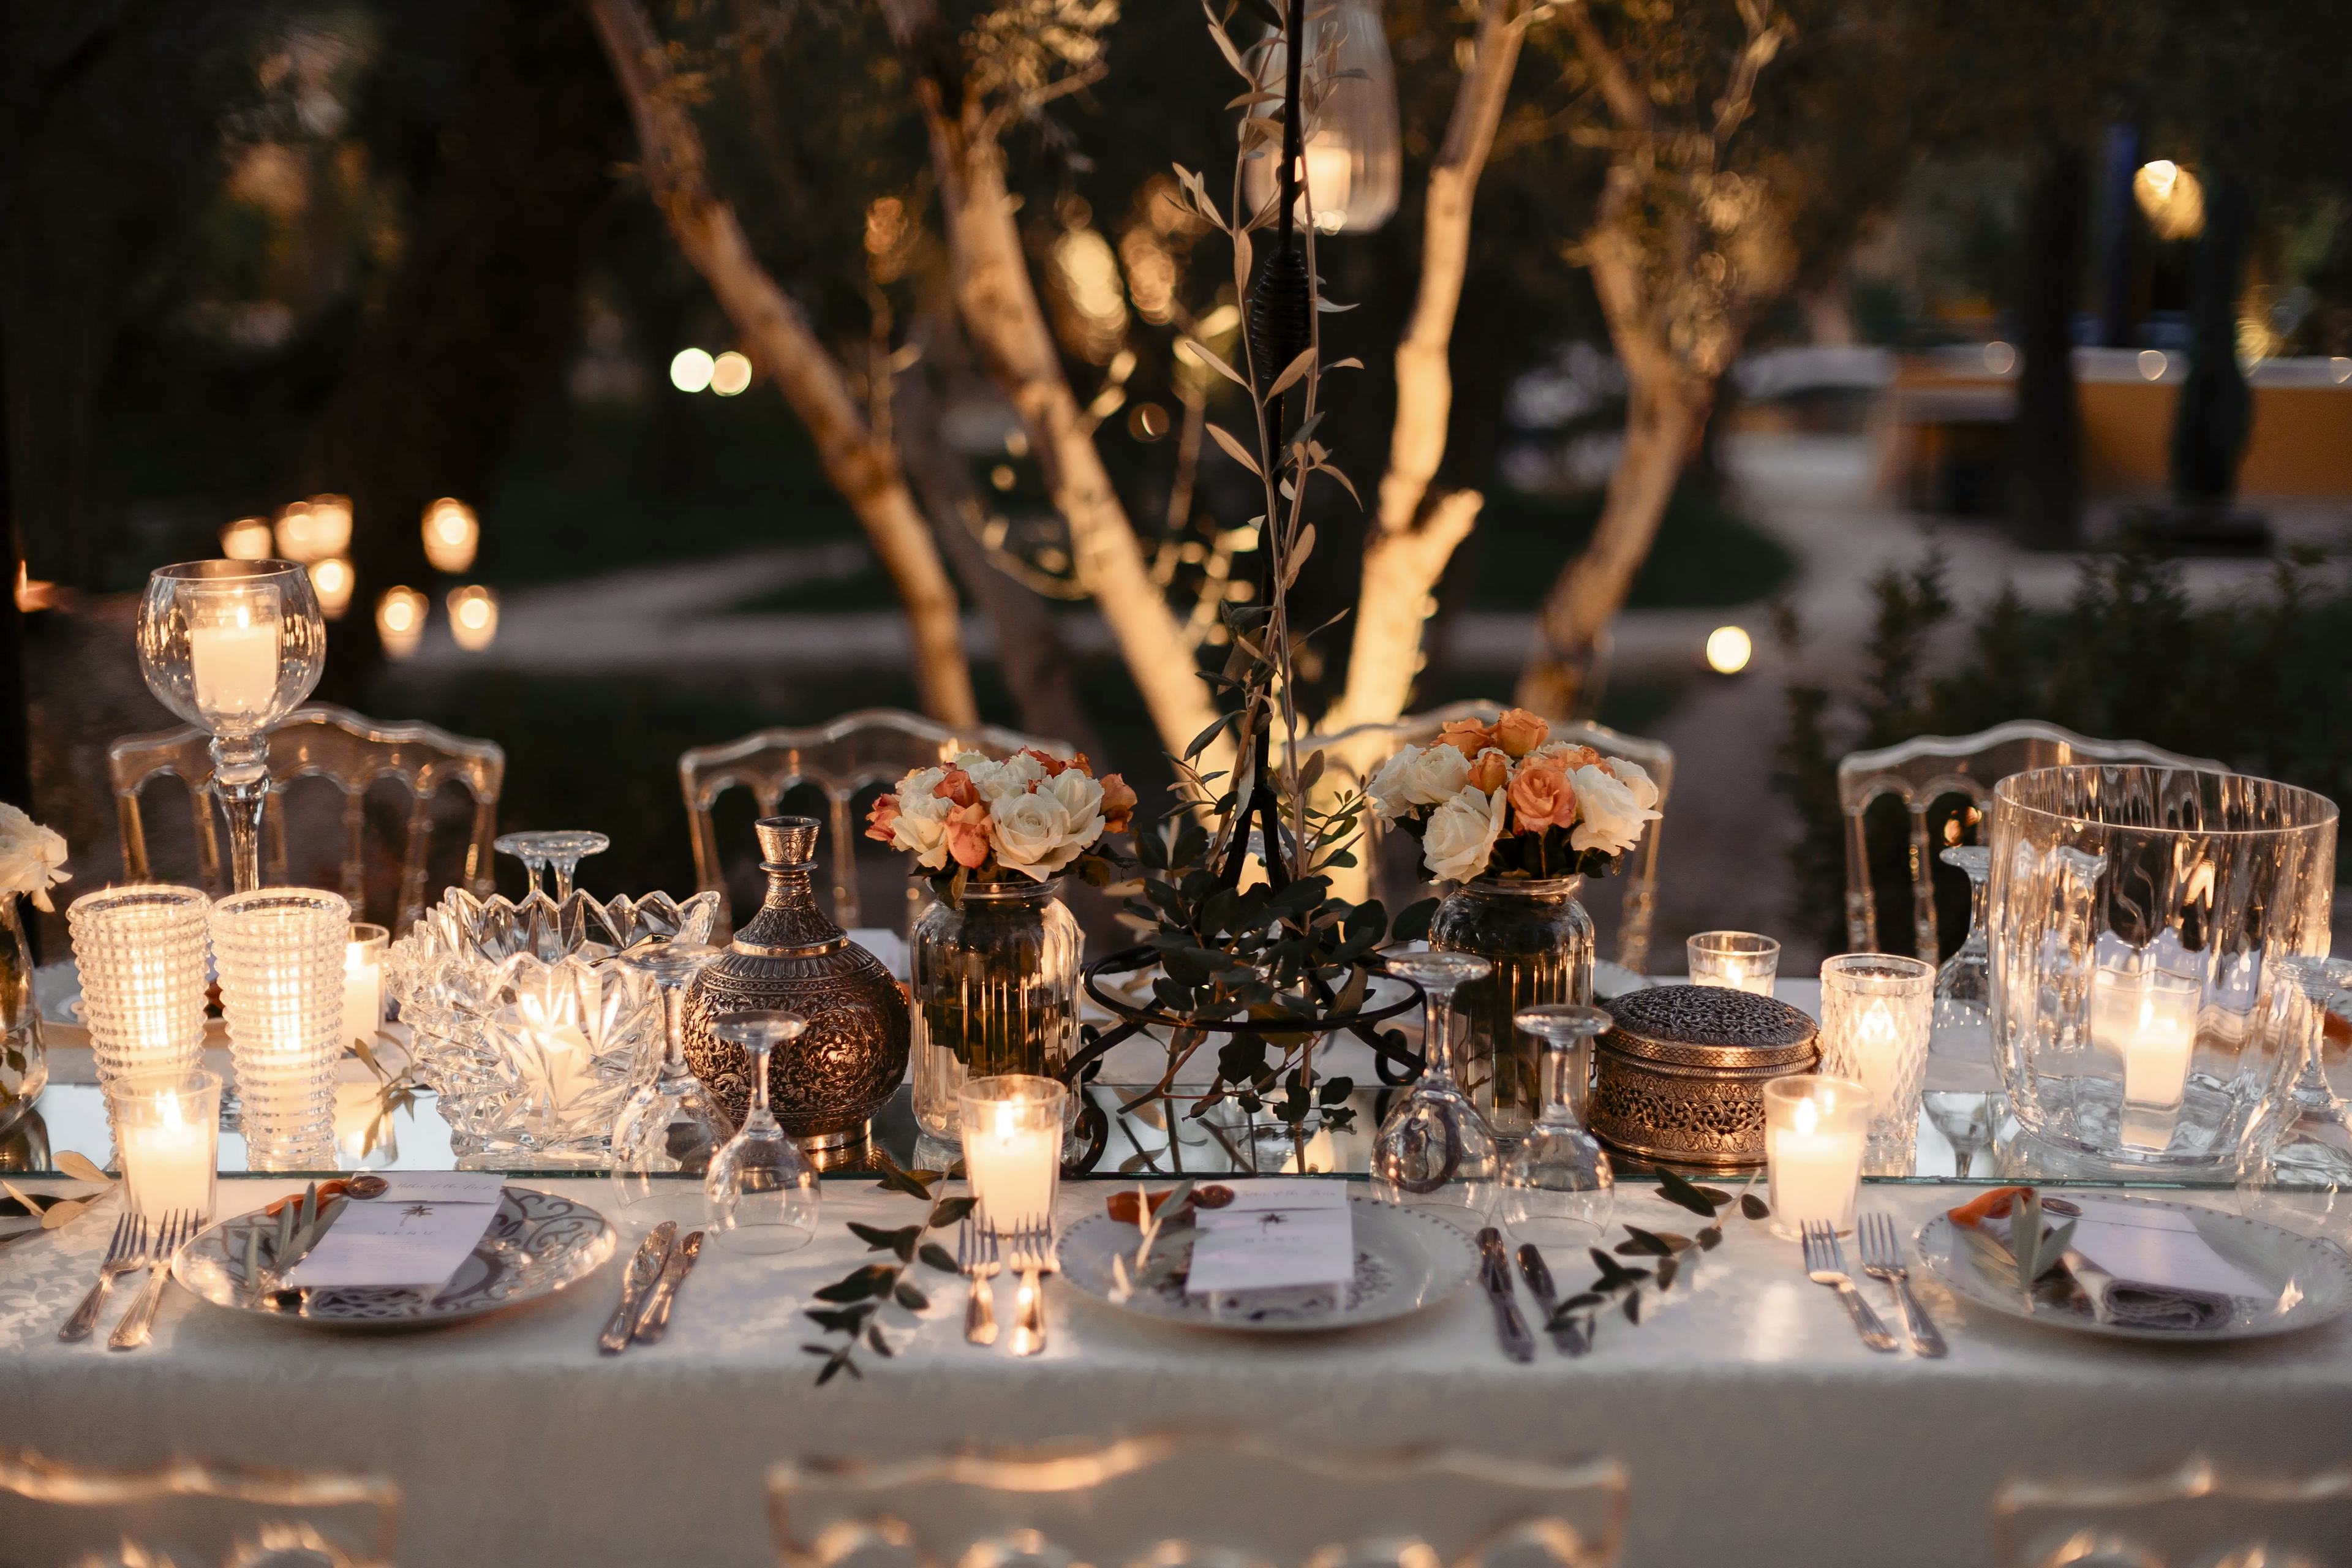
[
  {"x": 1001, "y": 313},
  {"x": 2045, "y": 501},
  {"x": 2215, "y": 414},
  {"x": 785, "y": 346},
  {"x": 1411, "y": 545}
]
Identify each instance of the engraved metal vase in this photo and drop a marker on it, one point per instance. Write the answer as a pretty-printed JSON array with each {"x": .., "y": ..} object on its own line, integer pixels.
[{"x": 826, "y": 1086}]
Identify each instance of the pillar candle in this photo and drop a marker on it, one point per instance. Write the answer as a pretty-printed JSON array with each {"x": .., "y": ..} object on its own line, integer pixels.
[
  {"x": 168, "y": 1159},
  {"x": 235, "y": 662},
  {"x": 363, "y": 990},
  {"x": 1814, "y": 1170},
  {"x": 1013, "y": 1162}
]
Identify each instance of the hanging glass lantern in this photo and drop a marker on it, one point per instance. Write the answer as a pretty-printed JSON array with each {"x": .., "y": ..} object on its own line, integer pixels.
[{"x": 1353, "y": 164}]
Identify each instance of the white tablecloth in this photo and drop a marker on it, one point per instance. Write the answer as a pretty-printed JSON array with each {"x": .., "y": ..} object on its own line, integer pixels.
[{"x": 1756, "y": 1429}]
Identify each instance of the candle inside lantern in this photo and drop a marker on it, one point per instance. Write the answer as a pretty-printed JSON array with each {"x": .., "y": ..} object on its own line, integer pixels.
[
  {"x": 233, "y": 656},
  {"x": 1814, "y": 1133},
  {"x": 1012, "y": 1127},
  {"x": 2150, "y": 1021},
  {"x": 167, "y": 1132},
  {"x": 364, "y": 982},
  {"x": 1329, "y": 167}
]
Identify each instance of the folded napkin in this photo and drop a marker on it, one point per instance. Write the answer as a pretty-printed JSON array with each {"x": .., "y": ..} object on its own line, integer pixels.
[
  {"x": 2135, "y": 1264},
  {"x": 2135, "y": 1304}
]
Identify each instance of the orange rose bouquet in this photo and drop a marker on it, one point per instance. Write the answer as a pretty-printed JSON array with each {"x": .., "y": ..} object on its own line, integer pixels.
[{"x": 1032, "y": 816}]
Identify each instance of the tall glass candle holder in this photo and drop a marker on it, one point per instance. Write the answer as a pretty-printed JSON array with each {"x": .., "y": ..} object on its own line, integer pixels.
[
  {"x": 167, "y": 1132},
  {"x": 1877, "y": 1012},
  {"x": 233, "y": 647},
  {"x": 364, "y": 982},
  {"x": 141, "y": 949},
  {"x": 280, "y": 953},
  {"x": 1815, "y": 1129},
  {"x": 1738, "y": 959},
  {"x": 1012, "y": 1129}
]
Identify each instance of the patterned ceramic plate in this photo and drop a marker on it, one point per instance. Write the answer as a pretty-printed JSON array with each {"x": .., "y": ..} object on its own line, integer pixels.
[
  {"x": 2309, "y": 1278},
  {"x": 1405, "y": 1260},
  {"x": 536, "y": 1245}
]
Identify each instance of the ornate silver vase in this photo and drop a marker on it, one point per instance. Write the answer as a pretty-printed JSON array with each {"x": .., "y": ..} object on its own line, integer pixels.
[{"x": 826, "y": 1086}]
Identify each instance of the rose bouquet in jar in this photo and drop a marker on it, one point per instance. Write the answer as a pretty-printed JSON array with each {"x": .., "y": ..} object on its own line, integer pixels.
[{"x": 992, "y": 966}]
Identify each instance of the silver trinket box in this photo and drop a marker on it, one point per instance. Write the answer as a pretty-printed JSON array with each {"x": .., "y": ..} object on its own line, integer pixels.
[{"x": 1680, "y": 1076}]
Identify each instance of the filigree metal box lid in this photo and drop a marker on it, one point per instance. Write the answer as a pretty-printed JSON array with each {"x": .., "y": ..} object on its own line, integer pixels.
[{"x": 1682, "y": 1074}]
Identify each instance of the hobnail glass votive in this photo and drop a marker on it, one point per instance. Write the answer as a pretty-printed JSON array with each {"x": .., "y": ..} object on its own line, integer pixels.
[
  {"x": 1739, "y": 960},
  {"x": 1815, "y": 1129},
  {"x": 167, "y": 1132},
  {"x": 140, "y": 951},
  {"x": 1877, "y": 1014},
  {"x": 1011, "y": 1124},
  {"x": 279, "y": 952}
]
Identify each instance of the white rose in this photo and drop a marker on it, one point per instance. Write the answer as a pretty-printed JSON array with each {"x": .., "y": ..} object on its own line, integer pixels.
[
  {"x": 1461, "y": 833},
  {"x": 32, "y": 858},
  {"x": 995, "y": 781},
  {"x": 921, "y": 827},
  {"x": 1636, "y": 778},
  {"x": 1418, "y": 775},
  {"x": 1082, "y": 797},
  {"x": 1033, "y": 833},
  {"x": 1609, "y": 817}
]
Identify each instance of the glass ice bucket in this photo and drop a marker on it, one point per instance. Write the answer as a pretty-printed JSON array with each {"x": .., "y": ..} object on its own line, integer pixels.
[{"x": 2133, "y": 914}]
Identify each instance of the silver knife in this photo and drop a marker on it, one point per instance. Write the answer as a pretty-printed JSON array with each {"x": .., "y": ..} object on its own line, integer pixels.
[
  {"x": 654, "y": 1321},
  {"x": 645, "y": 1271},
  {"x": 1533, "y": 1270},
  {"x": 1494, "y": 1273}
]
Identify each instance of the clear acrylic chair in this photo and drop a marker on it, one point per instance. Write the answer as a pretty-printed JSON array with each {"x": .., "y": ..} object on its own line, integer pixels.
[
  {"x": 55, "y": 1515},
  {"x": 1353, "y": 755},
  {"x": 2192, "y": 1517},
  {"x": 1151, "y": 1498},
  {"x": 852, "y": 753},
  {"x": 1928, "y": 768},
  {"x": 352, "y": 752}
]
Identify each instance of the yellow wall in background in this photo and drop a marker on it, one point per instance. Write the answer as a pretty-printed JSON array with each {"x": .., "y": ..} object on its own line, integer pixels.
[{"x": 2302, "y": 444}]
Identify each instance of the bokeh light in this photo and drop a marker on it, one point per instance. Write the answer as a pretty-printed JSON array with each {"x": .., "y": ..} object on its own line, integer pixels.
[
  {"x": 473, "y": 617},
  {"x": 400, "y": 621},
  {"x": 1728, "y": 649},
  {"x": 331, "y": 580},
  {"x": 730, "y": 372},
  {"x": 452, "y": 534},
  {"x": 691, "y": 369},
  {"x": 246, "y": 538}
]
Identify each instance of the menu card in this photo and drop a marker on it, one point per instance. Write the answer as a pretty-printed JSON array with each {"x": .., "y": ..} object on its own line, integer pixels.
[
  {"x": 415, "y": 1233},
  {"x": 1275, "y": 1234}
]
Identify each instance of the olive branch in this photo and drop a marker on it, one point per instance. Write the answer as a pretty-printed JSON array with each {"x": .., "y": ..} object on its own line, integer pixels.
[
  {"x": 859, "y": 1296},
  {"x": 1576, "y": 1319}
]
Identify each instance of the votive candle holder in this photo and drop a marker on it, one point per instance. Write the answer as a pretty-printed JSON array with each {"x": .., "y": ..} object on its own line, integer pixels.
[
  {"x": 1012, "y": 1128},
  {"x": 363, "y": 983},
  {"x": 1877, "y": 1014},
  {"x": 167, "y": 1134},
  {"x": 1816, "y": 1131},
  {"x": 281, "y": 954},
  {"x": 140, "y": 951},
  {"x": 1739, "y": 960}
]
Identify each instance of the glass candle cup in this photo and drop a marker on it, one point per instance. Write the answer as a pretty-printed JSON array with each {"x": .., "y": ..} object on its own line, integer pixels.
[
  {"x": 281, "y": 954},
  {"x": 141, "y": 949},
  {"x": 1815, "y": 1129},
  {"x": 1877, "y": 1014},
  {"x": 1012, "y": 1129},
  {"x": 363, "y": 983},
  {"x": 167, "y": 1135},
  {"x": 1739, "y": 960}
]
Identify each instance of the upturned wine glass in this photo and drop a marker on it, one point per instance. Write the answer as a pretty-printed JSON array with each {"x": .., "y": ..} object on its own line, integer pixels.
[
  {"x": 668, "y": 1127},
  {"x": 1434, "y": 1151},
  {"x": 1557, "y": 1186},
  {"x": 556, "y": 851},
  {"x": 1963, "y": 1098},
  {"x": 760, "y": 1192},
  {"x": 233, "y": 647}
]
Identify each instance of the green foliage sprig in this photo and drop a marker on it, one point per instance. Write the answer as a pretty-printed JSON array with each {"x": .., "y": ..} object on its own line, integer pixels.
[
  {"x": 857, "y": 1299},
  {"x": 1620, "y": 1285}
]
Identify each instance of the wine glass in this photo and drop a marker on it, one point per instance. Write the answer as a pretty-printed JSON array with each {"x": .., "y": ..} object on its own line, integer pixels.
[
  {"x": 1557, "y": 1186},
  {"x": 2315, "y": 1141},
  {"x": 1434, "y": 1151},
  {"x": 668, "y": 1125},
  {"x": 1963, "y": 1098},
  {"x": 558, "y": 850},
  {"x": 233, "y": 647},
  {"x": 760, "y": 1192}
]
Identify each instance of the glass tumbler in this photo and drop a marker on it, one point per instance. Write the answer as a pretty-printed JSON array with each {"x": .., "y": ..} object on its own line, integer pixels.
[
  {"x": 280, "y": 953},
  {"x": 1876, "y": 1011},
  {"x": 167, "y": 1134},
  {"x": 141, "y": 952},
  {"x": 1739, "y": 960}
]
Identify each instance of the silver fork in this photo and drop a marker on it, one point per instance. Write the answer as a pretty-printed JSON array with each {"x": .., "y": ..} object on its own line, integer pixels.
[
  {"x": 126, "y": 1252},
  {"x": 1032, "y": 1257},
  {"x": 171, "y": 1235},
  {"x": 1882, "y": 1258},
  {"x": 976, "y": 1258},
  {"x": 1825, "y": 1265}
]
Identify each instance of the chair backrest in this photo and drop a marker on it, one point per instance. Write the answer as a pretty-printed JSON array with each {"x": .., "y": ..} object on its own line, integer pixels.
[
  {"x": 1155, "y": 1499},
  {"x": 1353, "y": 755},
  {"x": 2191, "y": 1517},
  {"x": 1923, "y": 770},
  {"x": 855, "y": 751},
  {"x": 351, "y": 750},
  {"x": 54, "y": 1515}
]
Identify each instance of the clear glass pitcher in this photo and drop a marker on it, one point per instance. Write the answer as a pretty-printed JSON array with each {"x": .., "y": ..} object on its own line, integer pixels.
[{"x": 2132, "y": 914}]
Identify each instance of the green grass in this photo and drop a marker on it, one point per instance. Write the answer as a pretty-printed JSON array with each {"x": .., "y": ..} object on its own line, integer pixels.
[{"x": 1705, "y": 554}]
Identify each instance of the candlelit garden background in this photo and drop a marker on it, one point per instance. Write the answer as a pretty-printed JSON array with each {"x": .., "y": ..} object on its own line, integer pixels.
[{"x": 1756, "y": 303}]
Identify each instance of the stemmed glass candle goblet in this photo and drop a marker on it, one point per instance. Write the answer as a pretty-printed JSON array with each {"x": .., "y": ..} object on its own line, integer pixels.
[
  {"x": 760, "y": 1192},
  {"x": 557, "y": 850},
  {"x": 1557, "y": 1185},
  {"x": 1433, "y": 1151},
  {"x": 668, "y": 1125},
  {"x": 233, "y": 647}
]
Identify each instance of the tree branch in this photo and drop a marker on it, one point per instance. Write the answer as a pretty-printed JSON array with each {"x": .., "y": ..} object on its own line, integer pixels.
[{"x": 1626, "y": 100}]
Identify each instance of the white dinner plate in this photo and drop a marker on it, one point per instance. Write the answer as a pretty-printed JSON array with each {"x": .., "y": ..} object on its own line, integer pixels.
[
  {"x": 1405, "y": 1261},
  {"x": 537, "y": 1244},
  {"x": 2308, "y": 1280}
]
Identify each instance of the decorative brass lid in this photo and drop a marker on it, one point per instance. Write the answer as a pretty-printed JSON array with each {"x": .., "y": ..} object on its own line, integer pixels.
[{"x": 1710, "y": 1026}]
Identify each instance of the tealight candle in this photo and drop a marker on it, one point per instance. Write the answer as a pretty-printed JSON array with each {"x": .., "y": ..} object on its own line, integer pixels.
[
  {"x": 167, "y": 1132},
  {"x": 1739, "y": 960},
  {"x": 2150, "y": 1021},
  {"x": 1814, "y": 1133},
  {"x": 1012, "y": 1128},
  {"x": 233, "y": 654},
  {"x": 364, "y": 982}
]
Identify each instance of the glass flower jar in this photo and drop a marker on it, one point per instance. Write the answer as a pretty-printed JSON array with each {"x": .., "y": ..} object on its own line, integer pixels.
[
  {"x": 995, "y": 986},
  {"x": 1540, "y": 941},
  {"x": 23, "y": 1055}
]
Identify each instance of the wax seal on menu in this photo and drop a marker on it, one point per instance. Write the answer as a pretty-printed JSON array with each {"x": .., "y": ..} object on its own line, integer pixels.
[{"x": 366, "y": 1187}]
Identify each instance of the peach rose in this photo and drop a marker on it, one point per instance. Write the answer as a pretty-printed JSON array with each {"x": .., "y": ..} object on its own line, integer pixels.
[
  {"x": 1571, "y": 757},
  {"x": 1466, "y": 736},
  {"x": 1489, "y": 771},
  {"x": 1519, "y": 731},
  {"x": 1053, "y": 764},
  {"x": 1541, "y": 796},
  {"x": 882, "y": 822},
  {"x": 968, "y": 834},
  {"x": 1118, "y": 803},
  {"x": 957, "y": 786}
]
